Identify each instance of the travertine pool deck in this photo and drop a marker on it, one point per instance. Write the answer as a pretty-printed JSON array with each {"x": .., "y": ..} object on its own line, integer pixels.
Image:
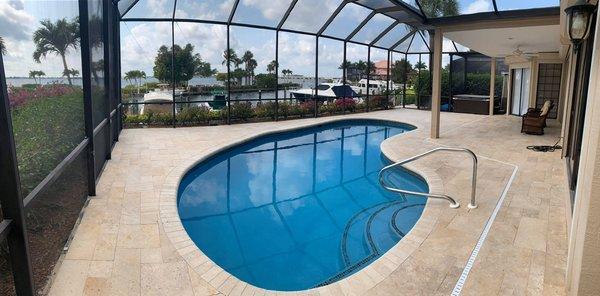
[{"x": 129, "y": 242}]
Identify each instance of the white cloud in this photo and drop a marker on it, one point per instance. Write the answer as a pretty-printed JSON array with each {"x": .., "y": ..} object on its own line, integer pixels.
[
  {"x": 140, "y": 43},
  {"x": 478, "y": 6},
  {"x": 160, "y": 8},
  {"x": 15, "y": 23},
  {"x": 271, "y": 10},
  {"x": 297, "y": 53},
  {"x": 310, "y": 15},
  {"x": 209, "y": 41},
  {"x": 204, "y": 10}
]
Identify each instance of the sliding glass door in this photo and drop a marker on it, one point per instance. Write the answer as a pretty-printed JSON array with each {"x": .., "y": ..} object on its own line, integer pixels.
[{"x": 520, "y": 90}]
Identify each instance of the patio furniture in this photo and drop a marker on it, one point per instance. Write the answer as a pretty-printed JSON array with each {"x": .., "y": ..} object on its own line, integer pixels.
[{"x": 534, "y": 121}]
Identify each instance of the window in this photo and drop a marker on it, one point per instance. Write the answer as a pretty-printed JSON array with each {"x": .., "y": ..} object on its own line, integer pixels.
[{"x": 548, "y": 87}]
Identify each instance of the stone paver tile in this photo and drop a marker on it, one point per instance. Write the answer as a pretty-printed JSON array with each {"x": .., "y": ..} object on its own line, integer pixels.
[
  {"x": 532, "y": 234},
  {"x": 166, "y": 279},
  {"x": 100, "y": 269},
  {"x": 71, "y": 278},
  {"x": 125, "y": 278},
  {"x": 105, "y": 247},
  {"x": 95, "y": 286},
  {"x": 535, "y": 282},
  {"x": 200, "y": 286},
  {"x": 138, "y": 236},
  {"x": 152, "y": 255}
]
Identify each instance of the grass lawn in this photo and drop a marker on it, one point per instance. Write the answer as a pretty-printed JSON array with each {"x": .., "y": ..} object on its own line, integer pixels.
[
  {"x": 409, "y": 98},
  {"x": 46, "y": 130}
]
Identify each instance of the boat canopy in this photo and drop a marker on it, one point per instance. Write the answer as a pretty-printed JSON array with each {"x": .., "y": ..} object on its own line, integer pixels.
[{"x": 343, "y": 91}]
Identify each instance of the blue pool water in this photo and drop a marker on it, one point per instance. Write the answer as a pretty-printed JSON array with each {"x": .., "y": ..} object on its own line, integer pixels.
[{"x": 299, "y": 209}]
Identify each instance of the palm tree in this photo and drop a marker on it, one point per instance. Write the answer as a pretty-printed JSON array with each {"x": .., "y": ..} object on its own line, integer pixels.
[
  {"x": 139, "y": 75},
  {"x": 97, "y": 67},
  {"x": 271, "y": 67},
  {"x": 56, "y": 38},
  {"x": 70, "y": 73},
  {"x": 35, "y": 75},
  {"x": 2, "y": 46},
  {"x": 420, "y": 66},
  {"x": 230, "y": 57},
  {"x": 345, "y": 66},
  {"x": 371, "y": 67},
  {"x": 437, "y": 8},
  {"x": 136, "y": 76},
  {"x": 361, "y": 67},
  {"x": 128, "y": 77},
  {"x": 249, "y": 62}
]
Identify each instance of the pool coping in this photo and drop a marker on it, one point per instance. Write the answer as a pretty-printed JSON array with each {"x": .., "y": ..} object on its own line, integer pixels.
[{"x": 357, "y": 283}]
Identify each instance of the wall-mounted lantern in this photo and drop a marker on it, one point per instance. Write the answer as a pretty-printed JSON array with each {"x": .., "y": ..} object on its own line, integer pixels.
[{"x": 579, "y": 17}]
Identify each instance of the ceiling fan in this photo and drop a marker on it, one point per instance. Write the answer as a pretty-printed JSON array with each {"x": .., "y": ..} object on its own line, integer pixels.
[
  {"x": 518, "y": 52},
  {"x": 520, "y": 56}
]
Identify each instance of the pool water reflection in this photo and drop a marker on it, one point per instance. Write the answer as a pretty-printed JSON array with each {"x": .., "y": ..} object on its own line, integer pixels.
[{"x": 299, "y": 209}]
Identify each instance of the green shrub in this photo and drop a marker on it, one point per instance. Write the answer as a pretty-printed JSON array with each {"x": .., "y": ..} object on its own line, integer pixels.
[
  {"x": 265, "y": 110},
  {"x": 266, "y": 81},
  {"x": 478, "y": 84},
  {"x": 327, "y": 109},
  {"x": 30, "y": 86},
  {"x": 218, "y": 114},
  {"x": 148, "y": 118},
  {"x": 361, "y": 106},
  {"x": 295, "y": 109},
  {"x": 241, "y": 110},
  {"x": 196, "y": 114},
  {"x": 379, "y": 102},
  {"x": 284, "y": 109}
]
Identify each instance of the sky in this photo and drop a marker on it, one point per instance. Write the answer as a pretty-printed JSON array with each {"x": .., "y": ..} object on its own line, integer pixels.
[
  {"x": 141, "y": 40},
  {"x": 18, "y": 20}
]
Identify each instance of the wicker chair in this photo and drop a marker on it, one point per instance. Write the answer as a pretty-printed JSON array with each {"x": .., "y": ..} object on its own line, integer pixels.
[{"x": 534, "y": 121}]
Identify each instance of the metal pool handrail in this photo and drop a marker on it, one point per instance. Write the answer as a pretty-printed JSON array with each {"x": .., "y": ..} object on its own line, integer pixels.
[{"x": 453, "y": 203}]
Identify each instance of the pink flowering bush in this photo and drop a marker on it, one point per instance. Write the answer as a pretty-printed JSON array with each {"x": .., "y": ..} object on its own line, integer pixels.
[
  {"x": 348, "y": 104},
  {"x": 307, "y": 107},
  {"x": 19, "y": 96}
]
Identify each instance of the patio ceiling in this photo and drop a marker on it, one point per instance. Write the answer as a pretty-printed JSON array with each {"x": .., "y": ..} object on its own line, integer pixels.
[
  {"x": 384, "y": 24},
  {"x": 529, "y": 40}
]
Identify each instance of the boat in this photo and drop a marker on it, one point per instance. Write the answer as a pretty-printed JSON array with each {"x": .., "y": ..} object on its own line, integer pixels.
[
  {"x": 376, "y": 87},
  {"x": 325, "y": 92},
  {"x": 219, "y": 100},
  {"x": 159, "y": 100}
]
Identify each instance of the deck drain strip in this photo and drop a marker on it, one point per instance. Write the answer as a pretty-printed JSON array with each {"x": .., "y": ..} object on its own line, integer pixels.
[{"x": 463, "y": 277}]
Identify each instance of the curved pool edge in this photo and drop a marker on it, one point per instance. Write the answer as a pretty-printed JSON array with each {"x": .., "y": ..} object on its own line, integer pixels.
[{"x": 358, "y": 283}]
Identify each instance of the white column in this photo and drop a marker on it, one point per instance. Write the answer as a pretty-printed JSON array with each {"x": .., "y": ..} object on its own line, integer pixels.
[
  {"x": 492, "y": 84},
  {"x": 509, "y": 92},
  {"x": 436, "y": 84}
]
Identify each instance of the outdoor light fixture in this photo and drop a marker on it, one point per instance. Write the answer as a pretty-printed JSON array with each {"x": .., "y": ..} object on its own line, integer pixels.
[{"x": 580, "y": 20}]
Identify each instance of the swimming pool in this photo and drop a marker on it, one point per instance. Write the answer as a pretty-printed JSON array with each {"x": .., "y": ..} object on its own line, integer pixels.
[{"x": 300, "y": 209}]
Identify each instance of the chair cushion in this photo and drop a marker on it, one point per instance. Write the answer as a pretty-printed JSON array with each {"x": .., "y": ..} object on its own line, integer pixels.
[{"x": 545, "y": 108}]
